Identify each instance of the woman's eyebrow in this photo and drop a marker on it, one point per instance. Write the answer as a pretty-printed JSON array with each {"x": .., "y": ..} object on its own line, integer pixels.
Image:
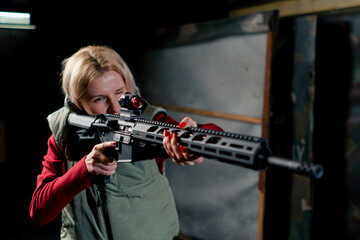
[
  {"x": 102, "y": 95},
  {"x": 96, "y": 96},
  {"x": 120, "y": 89}
]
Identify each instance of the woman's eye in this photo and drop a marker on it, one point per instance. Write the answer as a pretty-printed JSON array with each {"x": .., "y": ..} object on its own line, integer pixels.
[{"x": 98, "y": 99}]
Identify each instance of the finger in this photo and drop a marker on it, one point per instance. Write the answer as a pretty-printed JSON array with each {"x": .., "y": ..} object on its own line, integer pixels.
[
  {"x": 105, "y": 145},
  {"x": 172, "y": 147},
  {"x": 107, "y": 166},
  {"x": 101, "y": 151},
  {"x": 100, "y": 171},
  {"x": 180, "y": 163},
  {"x": 101, "y": 157},
  {"x": 187, "y": 122},
  {"x": 186, "y": 153},
  {"x": 199, "y": 160},
  {"x": 175, "y": 147},
  {"x": 167, "y": 143},
  {"x": 190, "y": 159},
  {"x": 105, "y": 169}
]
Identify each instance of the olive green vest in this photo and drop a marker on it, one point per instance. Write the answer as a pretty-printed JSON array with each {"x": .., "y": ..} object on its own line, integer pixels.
[{"x": 136, "y": 204}]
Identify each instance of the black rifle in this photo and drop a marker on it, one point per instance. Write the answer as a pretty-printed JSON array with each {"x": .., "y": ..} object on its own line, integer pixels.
[{"x": 139, "y": 139}]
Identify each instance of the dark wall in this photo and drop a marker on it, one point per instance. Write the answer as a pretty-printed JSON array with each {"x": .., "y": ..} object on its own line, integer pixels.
[{"x": 30, "y": 90}]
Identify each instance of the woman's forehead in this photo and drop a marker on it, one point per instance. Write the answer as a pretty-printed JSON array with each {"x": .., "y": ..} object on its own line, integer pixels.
[{"x": 108, "y": 81}]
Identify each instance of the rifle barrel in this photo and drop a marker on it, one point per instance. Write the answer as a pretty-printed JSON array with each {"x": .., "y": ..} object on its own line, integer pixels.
[{"x": 302, "y": 167}]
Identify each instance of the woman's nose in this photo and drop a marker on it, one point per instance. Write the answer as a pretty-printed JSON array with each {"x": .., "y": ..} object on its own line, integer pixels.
[{"x": 114, "y": 107}]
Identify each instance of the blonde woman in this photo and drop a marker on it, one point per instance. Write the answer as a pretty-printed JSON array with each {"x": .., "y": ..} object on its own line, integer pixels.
[{"x": 138, "y": 202}]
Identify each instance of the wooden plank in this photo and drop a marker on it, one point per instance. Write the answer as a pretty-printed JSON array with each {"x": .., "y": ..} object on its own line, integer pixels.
[
  {"x": 227, "y": 116},
  {"x": 265, "y": 133},
  {"x": 204, "y": 31},
  {"x": 298, "y": 7}
]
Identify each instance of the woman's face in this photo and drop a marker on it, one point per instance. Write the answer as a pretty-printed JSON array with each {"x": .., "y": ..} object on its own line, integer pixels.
[{"x": 103, "y": 93}]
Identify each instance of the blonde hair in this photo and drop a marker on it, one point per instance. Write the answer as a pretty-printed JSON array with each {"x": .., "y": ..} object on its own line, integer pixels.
[{"x": 91, "y": 62}]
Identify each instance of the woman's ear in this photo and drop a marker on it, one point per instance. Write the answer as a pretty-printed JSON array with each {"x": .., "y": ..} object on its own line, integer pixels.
[
  {"x": 79, "y": 106},
  {"x": 77, "y": 103}
]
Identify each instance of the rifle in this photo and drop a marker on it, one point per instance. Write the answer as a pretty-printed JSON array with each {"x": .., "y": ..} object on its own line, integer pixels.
[{"x": 139, "y": 139}]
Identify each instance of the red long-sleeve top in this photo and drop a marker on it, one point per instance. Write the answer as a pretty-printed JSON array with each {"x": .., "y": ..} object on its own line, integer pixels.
[{"x": 56, "y": 187}]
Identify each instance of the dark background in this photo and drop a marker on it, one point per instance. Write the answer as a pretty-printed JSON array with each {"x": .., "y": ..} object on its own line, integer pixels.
[{"x": 30, "y": 90}]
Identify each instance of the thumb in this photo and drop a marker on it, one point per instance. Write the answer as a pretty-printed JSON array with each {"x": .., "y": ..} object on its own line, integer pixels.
[{"x": 187, "y": 122}]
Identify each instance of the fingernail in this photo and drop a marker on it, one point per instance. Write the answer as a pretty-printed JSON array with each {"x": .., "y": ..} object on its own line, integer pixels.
[
  {"x": 171, "y": 135},
  {"x": 166, "y": 133},
  {"x": 182, "y": 125},
  {"x": 182, "y": 149},
  {"x": 113, "y": 143}
]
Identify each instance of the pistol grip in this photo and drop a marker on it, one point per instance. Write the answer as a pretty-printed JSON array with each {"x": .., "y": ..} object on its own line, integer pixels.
[
  {"x": 101, "y": 179},
  {"x": 106, "y": 179}
]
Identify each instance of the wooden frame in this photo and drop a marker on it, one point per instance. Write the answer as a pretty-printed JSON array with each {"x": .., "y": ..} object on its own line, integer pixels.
[
  {"x": 297, "y": 7},
  {"x": 226, "y": 116},
  {"x": 265, "y": 134}
]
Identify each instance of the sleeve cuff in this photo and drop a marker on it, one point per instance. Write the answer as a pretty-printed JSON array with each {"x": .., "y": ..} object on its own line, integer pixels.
[{"x": 79, "y": 175}]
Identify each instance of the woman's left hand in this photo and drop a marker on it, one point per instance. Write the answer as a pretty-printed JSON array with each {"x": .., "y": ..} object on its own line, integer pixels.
[{"x": 180, "y": 154}]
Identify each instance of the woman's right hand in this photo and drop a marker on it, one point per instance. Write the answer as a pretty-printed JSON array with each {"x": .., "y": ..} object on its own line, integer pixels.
[{"x": 97, "y": 163}]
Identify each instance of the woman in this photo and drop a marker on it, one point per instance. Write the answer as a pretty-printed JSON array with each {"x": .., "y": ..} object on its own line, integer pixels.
[{"x": 138, "y": 202}]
